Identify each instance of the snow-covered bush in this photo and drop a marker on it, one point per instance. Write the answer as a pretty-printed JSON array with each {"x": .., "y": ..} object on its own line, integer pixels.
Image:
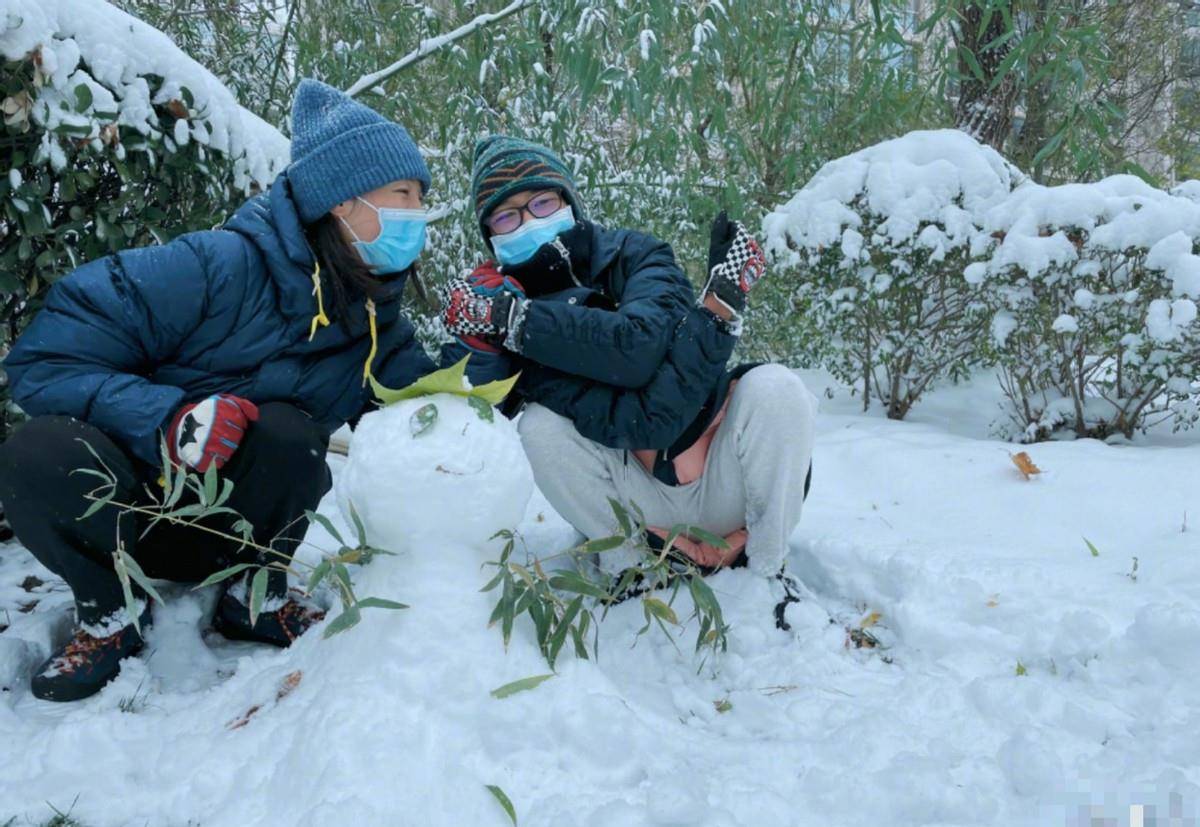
[
  {"x": 874, "y": 249},
  {"x": 112, "y": 138},
  {"x": 1091, "y": 290}
]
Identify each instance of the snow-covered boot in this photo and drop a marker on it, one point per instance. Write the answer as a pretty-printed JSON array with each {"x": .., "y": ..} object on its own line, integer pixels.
[
  {"x": 281, "y": 621},
  {"x": 86, "y": 662}
]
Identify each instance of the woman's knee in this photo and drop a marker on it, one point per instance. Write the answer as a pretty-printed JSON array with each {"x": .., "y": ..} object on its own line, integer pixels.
[
  {"x": 777, "y": 386},
  {"x": 286, "y": 434},
  {"x": 46, "y": 449}
]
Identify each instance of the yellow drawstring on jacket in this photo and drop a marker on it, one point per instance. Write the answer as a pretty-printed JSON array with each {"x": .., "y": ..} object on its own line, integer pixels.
[
  {"x": 319, "y": 320},
  {"x": 374, "y": 341}
]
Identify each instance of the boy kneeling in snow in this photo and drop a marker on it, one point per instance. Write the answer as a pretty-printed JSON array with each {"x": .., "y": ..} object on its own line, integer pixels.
[{"x": 624, "y": 373}]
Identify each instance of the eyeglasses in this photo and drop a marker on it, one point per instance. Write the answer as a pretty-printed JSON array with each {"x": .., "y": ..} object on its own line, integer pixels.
[{"x": 540, "y": 206}]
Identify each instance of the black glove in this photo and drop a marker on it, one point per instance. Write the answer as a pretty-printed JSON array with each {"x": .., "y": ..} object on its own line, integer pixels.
[
  {"x": 494, "y": 317},
  {"x": 735, "y": 262}
]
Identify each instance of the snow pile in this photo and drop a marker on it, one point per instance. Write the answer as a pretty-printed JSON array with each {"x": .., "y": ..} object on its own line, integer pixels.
[
  {"x": 94, "y": 64},
  {"x": 927, "y": 255},
  {"x": 881, "y": 238},
  {"x": 435, "y": 470},
  {"x": 1024, "y": 678}
]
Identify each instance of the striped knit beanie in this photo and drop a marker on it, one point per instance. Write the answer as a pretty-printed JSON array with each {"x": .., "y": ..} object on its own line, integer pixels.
[
  {"x": 504, "y": 165},
  {"x": 341, "y": 148}
]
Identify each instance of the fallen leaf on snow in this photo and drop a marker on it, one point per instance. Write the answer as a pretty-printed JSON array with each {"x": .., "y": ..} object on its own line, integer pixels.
[{"x": 1025, "y": 465}]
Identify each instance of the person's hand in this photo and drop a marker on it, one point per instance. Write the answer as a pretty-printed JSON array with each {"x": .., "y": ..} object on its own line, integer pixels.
[
  {"x": 735, "y": 264},
  {"x": 706, "y": 554},
  {"x": 482, "y": 308},
  {"x": 487, "y": 280},
  {"x": 207, "y": 432}
]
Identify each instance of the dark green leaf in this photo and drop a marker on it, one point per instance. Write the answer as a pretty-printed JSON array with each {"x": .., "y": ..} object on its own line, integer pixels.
[
  {"x": 485, "y": 411},
  {"x": 504, "y": 802}
]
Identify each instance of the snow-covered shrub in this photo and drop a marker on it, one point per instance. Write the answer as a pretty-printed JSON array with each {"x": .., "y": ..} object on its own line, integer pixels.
[
  {"x": 874, "y": 249},
  {"x": 1091, "y": 290},
  {"x": 112, "y": 138}
]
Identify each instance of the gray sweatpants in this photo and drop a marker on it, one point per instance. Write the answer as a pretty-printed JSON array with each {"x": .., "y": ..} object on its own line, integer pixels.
[{"x": 753, "y": 476}]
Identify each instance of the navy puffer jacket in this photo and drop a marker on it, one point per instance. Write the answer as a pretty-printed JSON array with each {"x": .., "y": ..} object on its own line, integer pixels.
[
  {"x": 123, "y": 341},
  {"x": 613, "y": 341}
]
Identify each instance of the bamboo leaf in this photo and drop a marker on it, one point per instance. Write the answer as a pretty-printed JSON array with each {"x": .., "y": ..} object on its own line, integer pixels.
[
  {"x": 318, "y": 574},
  {"x": 602, "y": 544},
  {"x": 210, "y": 484},
  {"x": 139, "y": 576},
  {"x": 656, "y": 608},
  {"x": 523, "y": 685},
  {"x": 359, "y": 529},
  {"x": 348, "y": 618},
  {"x": 326, "y": 524},
  {"x": 504, "y": 802},
  {"x": 380, "y": 603},
  {"x": 223, "y": 574},
  {"x": 258, "y": 593},
  {"x": 622, "y": 518}
]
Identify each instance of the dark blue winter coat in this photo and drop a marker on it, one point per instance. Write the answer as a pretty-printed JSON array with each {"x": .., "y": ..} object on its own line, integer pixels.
[
  {"x": 123, "y": 341},
  {"x": 613, "y": 340}
]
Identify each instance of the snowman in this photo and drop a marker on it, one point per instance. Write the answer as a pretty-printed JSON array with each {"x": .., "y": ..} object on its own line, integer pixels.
[{"x": 436, "y": 464}]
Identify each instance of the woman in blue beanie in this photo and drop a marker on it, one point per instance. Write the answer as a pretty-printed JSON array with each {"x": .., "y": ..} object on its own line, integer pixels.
[{"x": 243, "y": 348}]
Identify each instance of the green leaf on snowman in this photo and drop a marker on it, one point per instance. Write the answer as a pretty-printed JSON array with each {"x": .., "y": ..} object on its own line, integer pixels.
[
  {"x": 486, "y": 412},
  {"x": 423, "y": 419},
  {"x": 452, "y": 380}
]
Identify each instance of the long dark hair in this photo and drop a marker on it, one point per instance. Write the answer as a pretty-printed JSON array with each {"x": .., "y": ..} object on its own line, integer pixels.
[{"x": 348, "y": 278}]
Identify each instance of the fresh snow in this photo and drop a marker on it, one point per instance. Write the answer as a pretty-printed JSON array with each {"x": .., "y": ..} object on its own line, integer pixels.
[
  {"x": 120, "y": 51},
  {"x": 973, "y": 569}
]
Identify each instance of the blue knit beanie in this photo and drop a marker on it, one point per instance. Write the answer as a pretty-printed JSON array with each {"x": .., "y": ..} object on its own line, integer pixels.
[{"x": 341, "y": 148}]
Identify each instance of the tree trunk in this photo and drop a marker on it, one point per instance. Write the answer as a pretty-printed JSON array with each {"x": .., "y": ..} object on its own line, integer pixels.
[{"x": 985, "y": 107}]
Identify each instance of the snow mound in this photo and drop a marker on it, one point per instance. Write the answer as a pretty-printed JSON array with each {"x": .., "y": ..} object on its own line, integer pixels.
[
  {"x": 942, "y": 177},
  {"x": 119, "y": 53},
  {"x": 435, "y": 469}
]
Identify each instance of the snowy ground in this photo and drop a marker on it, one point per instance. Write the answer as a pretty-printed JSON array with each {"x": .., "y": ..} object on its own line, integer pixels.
[{"x": 973, "y": 569}]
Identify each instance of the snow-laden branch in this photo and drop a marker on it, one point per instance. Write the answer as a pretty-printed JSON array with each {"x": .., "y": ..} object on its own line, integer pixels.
[{"x": 431, "y": 45}]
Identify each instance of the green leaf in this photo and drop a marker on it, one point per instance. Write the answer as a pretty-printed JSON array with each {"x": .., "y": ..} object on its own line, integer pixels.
[
  {"x": 325, "y": 523},
  {"x": 139, "y": 576},
  {"x": 504, "y": 802},
  {"x": 1021, "y": 670},
  {"x": 423, "y": 419},
  {"x": 223, "y": 574},
  {"x": 723, "y": 705},
  {"x": 380, "y": 603},
  {"x": 448, "y": 380},
  {"x": 602, "y": 544},
  {"x": 522, "y": 685},
  {"x": 258, "y": 593},
  {"x": 83, "y": 97},
  {"x": 126, "y": 590},
  {"x": 1095, "y": 551},
  {"x": 698, "y": 533},
  {"x": 318, "y": 574},
  {"x": 656, "y": 608},
  {"x": 572, "y": 581},
  {"x": 210, "y": 484},
  {"x": 564, "y": 626},
  {"x": 485, "y": 411},
  {"x": 97, "y": 505},
  {"x": 622, "y": 517},
  {"x": 342, "y": 622},
  {"x": 358, "y": 525}
]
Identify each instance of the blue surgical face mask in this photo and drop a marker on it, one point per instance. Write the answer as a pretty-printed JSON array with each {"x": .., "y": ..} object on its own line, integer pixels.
[
  {"x": 401, "y": 239},
  {"x": 520, "y": 245}
]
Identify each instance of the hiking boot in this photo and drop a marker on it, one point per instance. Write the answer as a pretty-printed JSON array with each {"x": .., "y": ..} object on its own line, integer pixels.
[
  {"x": 86, "y": 662},
  {"x": 280, "y": 622}
]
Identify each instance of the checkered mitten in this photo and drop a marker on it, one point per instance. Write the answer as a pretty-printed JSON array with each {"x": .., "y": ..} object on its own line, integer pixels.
[
  {"x": 495, "y": 317},
  {"x": 735, "y": 263}
]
